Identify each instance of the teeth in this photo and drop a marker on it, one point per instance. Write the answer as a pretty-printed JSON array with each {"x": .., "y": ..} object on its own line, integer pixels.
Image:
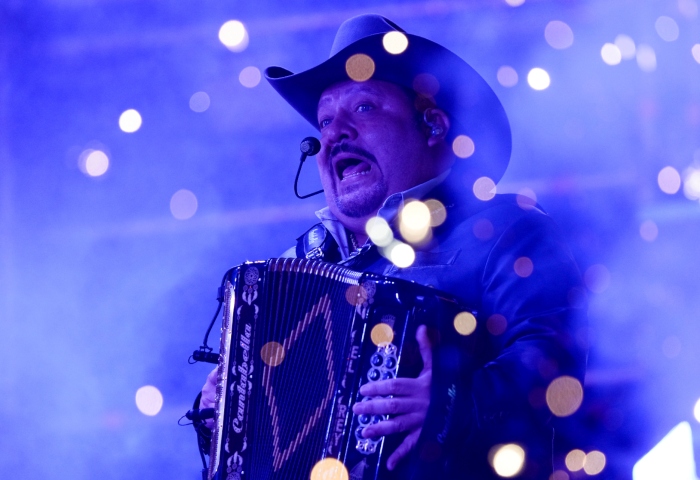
[{"x": 364, "y": 172}]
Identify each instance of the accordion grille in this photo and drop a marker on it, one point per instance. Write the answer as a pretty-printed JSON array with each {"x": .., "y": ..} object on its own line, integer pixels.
[{"x": 288, "y": 347}]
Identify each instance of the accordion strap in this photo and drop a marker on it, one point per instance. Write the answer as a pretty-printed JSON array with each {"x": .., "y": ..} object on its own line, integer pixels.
[{"x": 317, "y": 243}]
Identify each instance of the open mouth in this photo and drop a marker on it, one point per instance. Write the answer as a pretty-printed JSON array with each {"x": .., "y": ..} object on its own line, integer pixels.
[{"x": 347, "y": 168}]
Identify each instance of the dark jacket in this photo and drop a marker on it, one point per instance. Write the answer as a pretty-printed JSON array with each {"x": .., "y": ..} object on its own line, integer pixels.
[{"x": 531, "y": 316}]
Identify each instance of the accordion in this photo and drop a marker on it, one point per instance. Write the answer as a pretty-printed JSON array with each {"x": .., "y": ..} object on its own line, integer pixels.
[{"x": 299, "y": 338}]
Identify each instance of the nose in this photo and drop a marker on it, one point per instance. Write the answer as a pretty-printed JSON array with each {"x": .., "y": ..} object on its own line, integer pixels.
[{"x": 340, "y": 129}]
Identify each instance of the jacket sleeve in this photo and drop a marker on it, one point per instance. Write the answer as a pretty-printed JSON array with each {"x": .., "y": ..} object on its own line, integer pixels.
[{"x": 531, "y": 280}]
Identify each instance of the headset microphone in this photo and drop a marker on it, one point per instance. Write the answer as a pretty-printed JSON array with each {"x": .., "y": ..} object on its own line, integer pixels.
[{"x": 309, "y": 147}]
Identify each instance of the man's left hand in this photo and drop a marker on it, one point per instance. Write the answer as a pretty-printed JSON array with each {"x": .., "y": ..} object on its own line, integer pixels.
[{"x": 408, "y": 405}]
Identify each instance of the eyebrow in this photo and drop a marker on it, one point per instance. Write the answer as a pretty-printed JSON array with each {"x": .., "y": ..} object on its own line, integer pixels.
[{"x": 357, "y": 88}]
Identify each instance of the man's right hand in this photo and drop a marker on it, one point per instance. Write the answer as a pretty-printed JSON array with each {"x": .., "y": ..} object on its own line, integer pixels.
[{"x": 209, "y": 395}]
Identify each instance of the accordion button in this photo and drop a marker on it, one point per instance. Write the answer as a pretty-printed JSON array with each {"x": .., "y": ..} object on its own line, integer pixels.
[
  {"x": 364, "y": 419},
  {"x": 377, "y": 419},
  {"x": 373, "y": 375},
  {"x": 376, "y": 360},
  {"x": 390, "y": 363},
  {"x": 358, "y": 433},
  {"x": 387, "y": 375}
]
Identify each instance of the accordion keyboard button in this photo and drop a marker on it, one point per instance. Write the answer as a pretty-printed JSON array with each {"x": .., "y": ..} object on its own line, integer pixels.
[
  {"x": 373, "y": 375},
  {"x": 376, "y": 360},
  {"x": 390, "y": 363}
]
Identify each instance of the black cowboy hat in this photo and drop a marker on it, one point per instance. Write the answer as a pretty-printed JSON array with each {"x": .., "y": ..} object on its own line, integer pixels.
[{"x": 424, "y": 66}]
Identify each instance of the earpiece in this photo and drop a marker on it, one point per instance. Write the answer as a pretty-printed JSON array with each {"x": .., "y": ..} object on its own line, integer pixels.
[{"x": 435, "y": 129}]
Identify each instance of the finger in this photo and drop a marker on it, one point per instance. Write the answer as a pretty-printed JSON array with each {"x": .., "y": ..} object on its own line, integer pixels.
[
  {"x": 395, "y": 386},
  {"x": 426, "y": 349},
  {"x": 403, "y": 450},
  {"x": 401, "y": 423},
  {"x": 391, "y": 406},
  {"x": 209, "y": 390}
]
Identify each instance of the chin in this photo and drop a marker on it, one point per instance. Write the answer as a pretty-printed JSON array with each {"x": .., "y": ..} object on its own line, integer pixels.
[{"x": 361, "y": 202}]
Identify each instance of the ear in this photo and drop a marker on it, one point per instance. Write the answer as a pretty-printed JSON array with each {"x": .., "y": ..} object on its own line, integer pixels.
[{"x": 437, "y": 125}]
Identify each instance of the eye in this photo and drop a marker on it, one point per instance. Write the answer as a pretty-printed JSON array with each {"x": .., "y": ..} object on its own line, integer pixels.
[
  {"x": 324, "y": 122},
  {"x": 364, "y": 107}
]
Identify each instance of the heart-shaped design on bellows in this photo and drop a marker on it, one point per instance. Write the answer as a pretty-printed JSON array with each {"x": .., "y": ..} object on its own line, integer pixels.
[{"x": 322, "y": 308}]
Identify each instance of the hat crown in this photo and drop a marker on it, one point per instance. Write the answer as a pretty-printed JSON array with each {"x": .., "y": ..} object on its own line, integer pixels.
[{"x": 359, "y": 27}]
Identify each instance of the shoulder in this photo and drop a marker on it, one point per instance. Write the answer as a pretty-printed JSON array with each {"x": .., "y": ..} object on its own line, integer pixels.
[{"x": 291, "y": 252}]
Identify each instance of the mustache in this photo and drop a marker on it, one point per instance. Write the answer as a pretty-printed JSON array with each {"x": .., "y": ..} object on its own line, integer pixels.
[{"x": 347, "y": 148}]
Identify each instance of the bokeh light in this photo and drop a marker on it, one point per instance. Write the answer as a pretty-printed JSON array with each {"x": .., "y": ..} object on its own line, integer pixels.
[
  {"x": 484, "y": 189},
  {"x": 382, "y": 334},
  {"x": 234, "y": 35},
  {"x": 667, "y": 28},
  {"x": 414, "y": 222},
  {"x": 183, "y": 204},
  {"x": 329, "y": 469},
  {"x": 360, "y": 67},
  {"x": 594, "y": 462},
  {"x": 401, "y": 254},
  {"x": 696, "y": 52},
  {"x": 597, "y": 278},
  {"x": 426, "y": 84},
  {"x": 575, "y": 460},
  {"x": 611, "y": 54},
  {"x": 463, "y": 146},
  {"x": 523, "y": 267},
  {"x": 130, "y": 121},
  {"x": 646, "y": 58},
  {"x": 199, "y": 102},
  {"x": 483, "y": 229},
  {"x": 559, "y": 475},
  {"x": 250, "y": 77},
  {"x": 93, "y": 163},
  {"x": 464, "y": 323},
  {"x": 564, "y": 396},
  {"x": 438, "y": 212},
  {"x": 626, "y": 46},
  {"x": 149, "y": 400},
  {"x": 395, "y": 42},
  {"x": 496, "y": 324},
  {"x": 379, "y": 231},
  {"x": 558, "y": 35},
  {"x": 356, "y": 295},
  {"x": 538, "y": 79},
  {"x": 688, "y": 8},
  {"x": 648, "y": 230},
  {"x": 669, "y": 180},
  {"x": 507, "y": 76},
  {"x": 691, "y": 183},
  {"x": 526, "y": 198},
  {"x": 696, "y": 411},
  {"x": 272, "y": 353},
  {"x": 515, "y": 3},
  {"x": 507, "y": 460}
]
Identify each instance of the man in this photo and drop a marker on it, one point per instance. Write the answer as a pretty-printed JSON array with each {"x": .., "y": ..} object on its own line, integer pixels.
[{"x": 394, "y": 123}]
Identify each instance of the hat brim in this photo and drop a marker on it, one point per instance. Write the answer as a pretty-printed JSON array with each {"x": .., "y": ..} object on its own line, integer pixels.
[{"x": 461, "y": 92}]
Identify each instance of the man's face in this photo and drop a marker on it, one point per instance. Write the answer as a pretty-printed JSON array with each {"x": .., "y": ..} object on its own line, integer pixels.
[{"x": 371, "y": 146}]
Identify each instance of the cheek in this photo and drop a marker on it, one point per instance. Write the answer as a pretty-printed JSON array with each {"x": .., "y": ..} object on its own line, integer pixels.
[{"x": 323, "y": 168}]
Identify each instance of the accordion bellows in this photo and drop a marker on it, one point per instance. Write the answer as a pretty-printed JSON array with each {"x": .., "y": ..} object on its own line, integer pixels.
[{"x": 299, "y": 338}]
